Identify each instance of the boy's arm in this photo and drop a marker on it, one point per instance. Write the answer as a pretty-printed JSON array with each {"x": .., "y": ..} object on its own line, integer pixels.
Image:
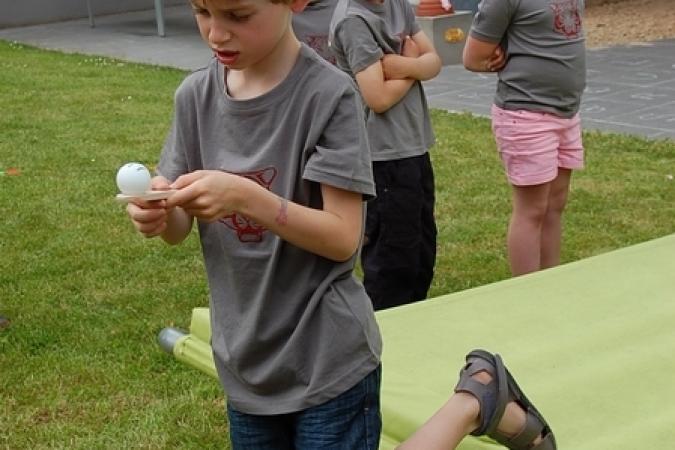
[
  {"x": 179, "y": 224},
  {"x": 363, "y": 57},
  {"x": 483, "y": 56},
  {"x": 483, "y": 51},
  {"x": 333, "y": 232},
  {"x": 425, "y": 65},
  {"x": 378, "y": 93}
]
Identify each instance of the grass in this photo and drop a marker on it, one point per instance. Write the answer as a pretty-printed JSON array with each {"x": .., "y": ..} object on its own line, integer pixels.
[{"x": 79, "y": 366}]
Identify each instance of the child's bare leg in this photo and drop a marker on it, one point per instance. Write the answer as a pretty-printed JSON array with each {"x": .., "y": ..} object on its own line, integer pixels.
[
  {"x": 524, "y": 234},
  {"x": 551, "y": 233},
  {"x": 445, "y": 429}
]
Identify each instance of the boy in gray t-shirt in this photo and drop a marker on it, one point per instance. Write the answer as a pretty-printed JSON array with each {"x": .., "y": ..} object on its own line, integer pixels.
[
  {"x": 535, "y": 114},
  {"x": 311, "y": 26},
  {"x": 268, "y": 152},
  {"x": 383, "y": 48}
]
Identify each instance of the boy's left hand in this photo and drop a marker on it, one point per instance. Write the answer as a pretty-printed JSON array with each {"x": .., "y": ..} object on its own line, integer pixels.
[
  {"x": 206, "y": 194},
  {"x": 497, "y": 61}
]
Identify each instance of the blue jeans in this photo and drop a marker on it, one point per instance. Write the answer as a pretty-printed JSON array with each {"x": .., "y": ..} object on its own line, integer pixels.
[{"x": 351, "y": 421}]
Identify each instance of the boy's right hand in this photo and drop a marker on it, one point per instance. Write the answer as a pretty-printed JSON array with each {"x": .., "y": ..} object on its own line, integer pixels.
[
  {"x": 397, "y": 67},
  {"x": 150, "y": 217},
  {"x": 410, "y": 48}
]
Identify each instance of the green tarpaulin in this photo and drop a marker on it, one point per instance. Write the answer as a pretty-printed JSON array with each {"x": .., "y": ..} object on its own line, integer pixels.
[{"x": 592, "y": 343}]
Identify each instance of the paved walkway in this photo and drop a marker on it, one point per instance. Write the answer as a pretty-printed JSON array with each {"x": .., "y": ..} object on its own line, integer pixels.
[{"x": 631, "y": 89}]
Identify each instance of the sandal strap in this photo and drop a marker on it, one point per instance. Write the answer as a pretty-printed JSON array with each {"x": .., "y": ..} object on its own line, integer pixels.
[
  {"x": 523, "y": 440},
  {"x": 492, "y": 397},
  {"x": 548, "y": 443},
  {"x": 487, "y": 400},
  {"x": 535, "y": 424}
]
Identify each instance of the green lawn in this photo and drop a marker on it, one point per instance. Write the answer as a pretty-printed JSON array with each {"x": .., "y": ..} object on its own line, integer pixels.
[{"x": 79, "y": 366}]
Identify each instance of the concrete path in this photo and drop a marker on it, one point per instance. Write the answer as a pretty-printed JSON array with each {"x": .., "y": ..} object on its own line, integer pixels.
[{"x": 631, "y": 89}]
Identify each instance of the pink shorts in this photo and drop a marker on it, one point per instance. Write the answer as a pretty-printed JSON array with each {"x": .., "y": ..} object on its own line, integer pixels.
[{"x": 533, "y": 145}]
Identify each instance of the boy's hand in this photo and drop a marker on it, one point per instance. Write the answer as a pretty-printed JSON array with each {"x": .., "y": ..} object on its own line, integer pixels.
[
  {"x": 397, "y": 67},
  {"x": 410, "y": 48},
  {"x": 497, "y": 61},
  {"x": 149, "y": 218},
  {"x": 208, "y": 194}
]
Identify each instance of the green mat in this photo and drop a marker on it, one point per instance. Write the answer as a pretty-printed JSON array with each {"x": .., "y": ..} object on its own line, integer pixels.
[{"x": 592, "y": 343}]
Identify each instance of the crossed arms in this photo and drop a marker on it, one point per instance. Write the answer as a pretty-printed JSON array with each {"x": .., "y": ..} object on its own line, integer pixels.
[
  {"x": 386, "y": 82},
  {"x": 483, "y": 56}
]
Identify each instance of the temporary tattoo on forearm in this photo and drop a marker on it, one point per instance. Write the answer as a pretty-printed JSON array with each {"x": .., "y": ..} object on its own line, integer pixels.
[{"x": 282, "y": 216}]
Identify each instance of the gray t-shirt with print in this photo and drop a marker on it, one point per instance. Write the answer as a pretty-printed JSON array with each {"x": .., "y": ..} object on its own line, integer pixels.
[
  {"x": 544, "y": 39},
  {"x": 311, "y": 26},
  {"x": 361, "y": 33},
  {"x": 290, "y": 329}
]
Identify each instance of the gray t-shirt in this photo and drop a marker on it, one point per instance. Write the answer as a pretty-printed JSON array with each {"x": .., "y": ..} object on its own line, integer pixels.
[
  {"x": 546, "y": 69},
  {"x": 311, "y": 26},
  {"x": 290, "y": 329},
  {"x": 361, "y": 33}
]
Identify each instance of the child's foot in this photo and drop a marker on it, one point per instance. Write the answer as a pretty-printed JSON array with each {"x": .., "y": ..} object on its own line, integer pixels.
[{"x": 506, "y": 415}]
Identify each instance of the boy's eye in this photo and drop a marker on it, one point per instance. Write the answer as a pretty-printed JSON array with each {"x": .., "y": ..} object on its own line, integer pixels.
[
  {"x": 240, "y": 17},
  {"x": 199, "y": 11}
]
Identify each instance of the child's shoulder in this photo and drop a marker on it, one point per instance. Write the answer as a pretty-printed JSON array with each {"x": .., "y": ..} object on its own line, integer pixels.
[
  {"x": 350, "y": 8},
  {"x": 323, "y": 76},
  {"x": 199, "y": 80},
  {"x": 354, "y": 7}
]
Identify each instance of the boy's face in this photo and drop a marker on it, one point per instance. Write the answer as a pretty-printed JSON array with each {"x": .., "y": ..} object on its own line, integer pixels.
[{"x": 243, "y": 32}]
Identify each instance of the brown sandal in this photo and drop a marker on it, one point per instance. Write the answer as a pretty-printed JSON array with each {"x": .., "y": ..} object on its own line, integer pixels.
[{"x": 493, "y": 398}]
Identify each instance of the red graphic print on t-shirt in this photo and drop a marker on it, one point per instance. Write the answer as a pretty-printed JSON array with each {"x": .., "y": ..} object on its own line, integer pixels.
[
  {"x": 567, "y": 19},
  {"x": 319, "y": 43},
  {"x": 246, "y": 229}
]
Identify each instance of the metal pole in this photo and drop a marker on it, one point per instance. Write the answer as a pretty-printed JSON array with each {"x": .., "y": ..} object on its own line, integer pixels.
[
  {"x": 91, "y": 16},
  {"x": 159, "y": 17}
]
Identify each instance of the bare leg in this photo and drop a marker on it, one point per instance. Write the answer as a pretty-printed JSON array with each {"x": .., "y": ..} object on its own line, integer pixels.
[
  {"x": 551, "y": 233},
  {"x": 530, "y": 204},
  {"x": 459, "y": 417},
  {"x": 446, "y": 429}
]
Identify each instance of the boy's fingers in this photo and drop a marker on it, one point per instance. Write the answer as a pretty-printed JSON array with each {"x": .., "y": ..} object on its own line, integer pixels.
[
  {"x": 153, "y": 230},
  {"x": 140, "y": 215},
  {"x": 186, "y": 180},
  {"x": 182, "y": 196},
  {"x": 184, "y": 190},
  {"x": 160, "y": 183}
]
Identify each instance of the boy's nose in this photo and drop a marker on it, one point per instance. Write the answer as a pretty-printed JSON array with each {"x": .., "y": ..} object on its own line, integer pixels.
[{"x": 219, "y": 33}]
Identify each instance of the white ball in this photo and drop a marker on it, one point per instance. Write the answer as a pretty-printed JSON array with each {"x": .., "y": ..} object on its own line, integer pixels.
[{"x": 133, "y": 179}]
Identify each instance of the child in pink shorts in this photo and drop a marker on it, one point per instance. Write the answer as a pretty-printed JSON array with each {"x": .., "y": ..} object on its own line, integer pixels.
[{"x": 537, "y": 48}]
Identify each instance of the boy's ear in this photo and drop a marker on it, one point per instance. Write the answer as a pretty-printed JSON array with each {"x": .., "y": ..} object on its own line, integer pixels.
[{"x": 298, "y": 5}]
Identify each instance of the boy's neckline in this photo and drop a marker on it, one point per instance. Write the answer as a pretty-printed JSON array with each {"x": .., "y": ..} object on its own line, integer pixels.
[
  {"x": 255, "y": 81},
  {"x": 269, "y": 95}
]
